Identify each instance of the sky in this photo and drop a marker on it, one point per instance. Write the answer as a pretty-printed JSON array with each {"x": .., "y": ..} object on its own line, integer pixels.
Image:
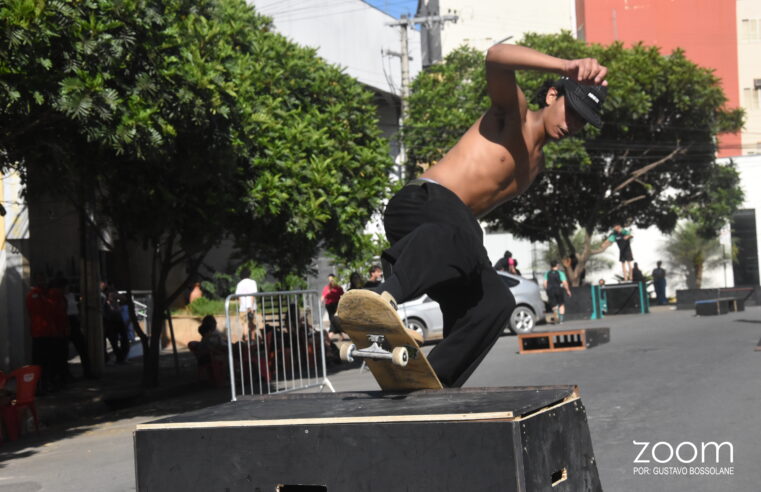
[{"x": 395, "y": 8}]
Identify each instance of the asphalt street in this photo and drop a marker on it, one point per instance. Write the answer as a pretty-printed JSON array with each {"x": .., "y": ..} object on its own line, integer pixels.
[{"x": 670, "y": 379}]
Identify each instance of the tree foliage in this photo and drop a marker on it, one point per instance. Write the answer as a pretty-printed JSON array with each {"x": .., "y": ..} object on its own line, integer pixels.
[
  {"x": 178, "y": 123},
  {"x": 652, "y": 162}
]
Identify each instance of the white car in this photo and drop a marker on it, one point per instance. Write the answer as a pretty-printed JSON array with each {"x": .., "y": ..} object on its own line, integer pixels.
[{"x": 424, "y": 315}]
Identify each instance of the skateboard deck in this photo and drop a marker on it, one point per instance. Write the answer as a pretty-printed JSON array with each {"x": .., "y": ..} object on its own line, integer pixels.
[{"x": 381, "y": 340}]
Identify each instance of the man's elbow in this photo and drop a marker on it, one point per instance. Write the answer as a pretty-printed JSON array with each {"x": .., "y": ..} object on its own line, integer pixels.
[{"x": 492, "y": 54}]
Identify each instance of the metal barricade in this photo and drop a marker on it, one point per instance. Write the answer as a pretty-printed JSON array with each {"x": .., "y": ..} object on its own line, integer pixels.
[{"x": 275, "y": 342}]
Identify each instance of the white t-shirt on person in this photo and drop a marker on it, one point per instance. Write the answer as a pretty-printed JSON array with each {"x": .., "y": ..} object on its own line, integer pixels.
[{"x": 246, "y": 286}]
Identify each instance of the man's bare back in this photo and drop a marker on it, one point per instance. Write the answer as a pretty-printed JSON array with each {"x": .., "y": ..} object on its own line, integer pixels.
[{"x": 501, "y": 154}]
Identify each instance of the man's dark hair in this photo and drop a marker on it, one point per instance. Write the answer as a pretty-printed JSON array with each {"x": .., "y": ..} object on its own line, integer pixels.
[
  {"x": 374, "y": 268},
  {"x": 507, "y": 254},
  {"x": 658, "y": 263},
  {"x": 540, "y": 98},
  {"x": 553, "y": 263}
]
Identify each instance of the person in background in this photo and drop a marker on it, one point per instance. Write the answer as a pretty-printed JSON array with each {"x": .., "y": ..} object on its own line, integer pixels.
[
  {"x": 247, "y": 305},
  {"x": 196, "y": 293},
  {"x": 376, "y": 277},
  {"x": 331, "y": 294},
  {"x": 212, "y": 340},
  {"x": 659, "y": 282},
  {"x": 355, "y": 281},
  {"x": 114, "y": 329},
  {"x": 603, "y": 296},
  {"x": 60, "y": 325},
  {"x": 506, "y": 264},
  {"x": 637, "y": 275},
  {"x": 622, "y": 237},
  {"x": 76, "y": 337},
  {"x": 556, "y": 285},
  {"x": 42, "y": 330}
]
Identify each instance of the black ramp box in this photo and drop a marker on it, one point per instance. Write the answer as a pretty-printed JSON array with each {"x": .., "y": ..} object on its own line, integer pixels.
[{"x": 508, "y": 439}]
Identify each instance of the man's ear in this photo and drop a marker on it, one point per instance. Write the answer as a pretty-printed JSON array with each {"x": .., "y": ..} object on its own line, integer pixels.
[{"x": 551, "y": 97}]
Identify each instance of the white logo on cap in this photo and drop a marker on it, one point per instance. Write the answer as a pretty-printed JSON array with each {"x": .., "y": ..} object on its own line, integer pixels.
[{"x": 593, "y": 97}]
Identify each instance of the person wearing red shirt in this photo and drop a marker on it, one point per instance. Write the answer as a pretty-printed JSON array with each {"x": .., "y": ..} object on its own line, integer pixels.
[
  {"x": 45, "y": 333},
  {"x": 331, "y": 293}
]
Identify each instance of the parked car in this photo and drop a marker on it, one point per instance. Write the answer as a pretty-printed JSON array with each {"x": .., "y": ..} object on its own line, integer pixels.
[{"x": 424, "y": 315}]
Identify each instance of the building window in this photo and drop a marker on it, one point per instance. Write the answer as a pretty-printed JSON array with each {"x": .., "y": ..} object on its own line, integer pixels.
[
  {"x": 750, "y": 99},
  {"x": 750, "y": 29}
]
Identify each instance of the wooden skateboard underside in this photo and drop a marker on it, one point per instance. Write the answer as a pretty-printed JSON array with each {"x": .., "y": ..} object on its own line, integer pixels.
[{"x": 362, "y": 313}]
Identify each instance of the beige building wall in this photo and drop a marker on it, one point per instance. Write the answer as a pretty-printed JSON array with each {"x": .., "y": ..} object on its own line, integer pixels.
[
  {"x": 486, "y": 22},
  {"x": 749, "y": 67}
]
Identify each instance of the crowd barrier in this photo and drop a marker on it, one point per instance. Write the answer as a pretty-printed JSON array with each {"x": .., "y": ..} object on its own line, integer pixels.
[{"x": 276, "y": 342}]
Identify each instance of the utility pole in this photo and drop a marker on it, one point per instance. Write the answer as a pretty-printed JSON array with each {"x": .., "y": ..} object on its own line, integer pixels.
[{"x": 404, "y": 23}]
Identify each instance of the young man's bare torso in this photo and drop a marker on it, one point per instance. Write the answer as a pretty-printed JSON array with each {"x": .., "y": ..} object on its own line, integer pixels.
[
  {"x": 494, "y": 161},
  {"x": 501, "y": 154}
]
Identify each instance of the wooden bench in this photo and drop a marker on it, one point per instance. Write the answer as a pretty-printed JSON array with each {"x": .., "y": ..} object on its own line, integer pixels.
[
  {"x": 721, "y": 305},
  {"x": 562, "y": 341}
]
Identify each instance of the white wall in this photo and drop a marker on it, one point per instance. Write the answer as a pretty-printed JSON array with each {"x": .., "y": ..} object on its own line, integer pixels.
[
  {"x": 14, "y": 274},
  {"x": 749, "y": 68},
  {"x": 483, "y": 23},
  {"x": 349, "y": 33}
]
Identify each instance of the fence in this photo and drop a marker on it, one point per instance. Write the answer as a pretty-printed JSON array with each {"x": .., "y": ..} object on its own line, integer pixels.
[{"x": 276, "y": 342}]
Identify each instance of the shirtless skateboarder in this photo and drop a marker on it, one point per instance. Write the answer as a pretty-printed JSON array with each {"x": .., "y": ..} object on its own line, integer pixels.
[{"x": 436, "y": 241}]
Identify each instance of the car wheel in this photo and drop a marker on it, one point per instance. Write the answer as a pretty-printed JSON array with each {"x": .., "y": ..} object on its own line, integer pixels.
[
  {"x": 418, "y": 326},
  {"x": 522, "y": 320}
]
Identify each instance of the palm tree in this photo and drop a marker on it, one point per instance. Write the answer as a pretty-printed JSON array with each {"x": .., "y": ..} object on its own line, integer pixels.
[{"x": 692, "y": 253}]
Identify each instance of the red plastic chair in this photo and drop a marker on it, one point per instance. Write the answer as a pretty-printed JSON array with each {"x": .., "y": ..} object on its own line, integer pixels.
[{"x": 26, "y": 378}]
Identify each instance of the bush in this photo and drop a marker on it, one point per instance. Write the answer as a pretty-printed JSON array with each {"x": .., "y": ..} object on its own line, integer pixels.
[{"x": 203, "y": 306}]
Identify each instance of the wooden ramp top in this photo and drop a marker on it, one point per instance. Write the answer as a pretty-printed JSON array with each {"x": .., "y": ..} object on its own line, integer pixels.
[{"x": 509, "y": 403}]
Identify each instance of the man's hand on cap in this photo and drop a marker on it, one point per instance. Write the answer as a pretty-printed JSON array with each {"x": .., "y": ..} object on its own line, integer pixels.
[{"x": 586, "y": 71}]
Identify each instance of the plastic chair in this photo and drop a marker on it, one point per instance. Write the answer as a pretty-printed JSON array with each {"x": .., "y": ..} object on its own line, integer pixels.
[{"x": 26, "y": 378}]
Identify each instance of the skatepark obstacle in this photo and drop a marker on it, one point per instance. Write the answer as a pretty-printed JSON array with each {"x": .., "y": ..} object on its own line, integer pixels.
[
  {"x": 562, "y": 340},
  {"x": 515, "y": 439}
]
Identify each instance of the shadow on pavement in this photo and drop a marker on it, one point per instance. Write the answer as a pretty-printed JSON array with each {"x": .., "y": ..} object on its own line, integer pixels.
[{"x": 117, "y": 395}]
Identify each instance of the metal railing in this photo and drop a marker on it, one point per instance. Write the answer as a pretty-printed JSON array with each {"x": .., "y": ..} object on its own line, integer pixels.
[{"x": 275, "y": 342}]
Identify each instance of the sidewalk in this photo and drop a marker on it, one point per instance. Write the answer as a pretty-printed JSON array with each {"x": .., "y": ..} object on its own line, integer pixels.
[{"x": 120, "y": 388}]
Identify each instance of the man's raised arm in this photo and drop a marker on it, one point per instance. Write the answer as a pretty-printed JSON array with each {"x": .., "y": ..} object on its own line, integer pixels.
[{"x": 503, "y": 59}]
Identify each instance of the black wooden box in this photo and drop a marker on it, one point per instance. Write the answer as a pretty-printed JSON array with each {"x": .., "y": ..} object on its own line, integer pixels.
[{"x": 480, "y": 439}]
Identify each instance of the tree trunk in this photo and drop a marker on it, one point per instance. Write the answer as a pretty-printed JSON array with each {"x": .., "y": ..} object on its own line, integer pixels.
[
  {"x": 92, "y": 304},
  {"x": 151, "y": 357},
  {"x": 698, "y": 274}
]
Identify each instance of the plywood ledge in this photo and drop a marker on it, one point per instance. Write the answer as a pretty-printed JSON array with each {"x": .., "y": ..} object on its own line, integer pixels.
[{"x": 331, "y": 420}]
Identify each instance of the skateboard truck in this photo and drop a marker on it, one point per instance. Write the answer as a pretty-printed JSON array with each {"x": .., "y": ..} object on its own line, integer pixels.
[{"x": 399, "y": 356}]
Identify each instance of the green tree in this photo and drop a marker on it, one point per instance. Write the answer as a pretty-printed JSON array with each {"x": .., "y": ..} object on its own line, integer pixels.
[
  {"x": 651, "y": 163},
  {"x": 691, "y": 253},
  {"x": 176, "y": 123},
  {"x": 594, "y": 263}
]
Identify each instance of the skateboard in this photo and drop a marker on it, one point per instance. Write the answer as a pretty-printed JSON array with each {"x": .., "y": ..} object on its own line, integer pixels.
[{"x": 381, "y": 340}]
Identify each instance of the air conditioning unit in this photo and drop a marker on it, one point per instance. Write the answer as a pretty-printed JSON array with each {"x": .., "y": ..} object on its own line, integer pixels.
[{"x": 757, "y": 84}]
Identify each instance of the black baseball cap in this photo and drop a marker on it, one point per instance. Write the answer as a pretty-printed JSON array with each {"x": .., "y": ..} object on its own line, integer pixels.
[{"x": 586, "y": 100}]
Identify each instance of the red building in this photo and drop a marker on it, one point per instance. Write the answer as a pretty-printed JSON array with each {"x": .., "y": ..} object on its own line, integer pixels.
[{"x": 705, "y": 29}]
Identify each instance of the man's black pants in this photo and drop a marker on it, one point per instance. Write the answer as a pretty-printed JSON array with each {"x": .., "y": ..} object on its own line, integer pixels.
[{"x": 437, "y": 249}]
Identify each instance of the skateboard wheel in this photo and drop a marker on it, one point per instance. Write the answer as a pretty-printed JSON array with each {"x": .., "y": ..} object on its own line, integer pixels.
[
  {"x": 400, "y": 356},
  {"x": 347, "y": 350}
]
